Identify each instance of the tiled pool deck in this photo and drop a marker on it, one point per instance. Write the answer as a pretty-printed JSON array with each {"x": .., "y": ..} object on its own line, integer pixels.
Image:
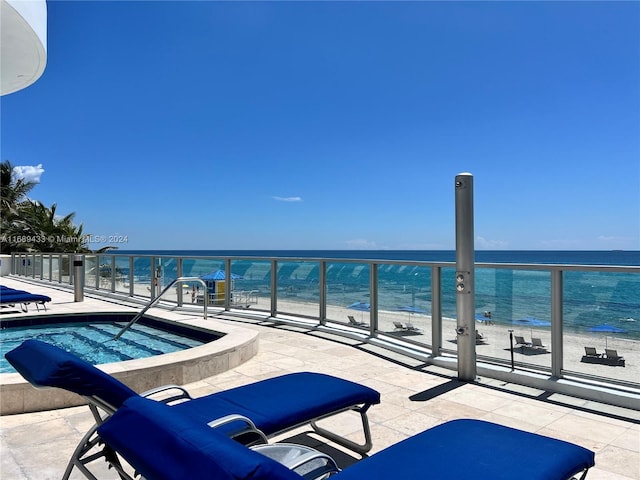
[{"x": 415, "y": 397}]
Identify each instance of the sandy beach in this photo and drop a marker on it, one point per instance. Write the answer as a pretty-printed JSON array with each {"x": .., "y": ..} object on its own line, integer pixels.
[{"x": 496, "y": 344}]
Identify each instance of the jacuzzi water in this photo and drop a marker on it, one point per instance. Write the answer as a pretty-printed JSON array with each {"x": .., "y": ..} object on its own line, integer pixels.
[{"x": 93, "y": 340}]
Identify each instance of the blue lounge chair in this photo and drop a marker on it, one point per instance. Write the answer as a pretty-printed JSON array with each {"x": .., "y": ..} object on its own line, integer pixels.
[
  {"x": 163, "y": 444},
  {"x": 12, "y": 297},
  {"x": 271, "y": 406}
]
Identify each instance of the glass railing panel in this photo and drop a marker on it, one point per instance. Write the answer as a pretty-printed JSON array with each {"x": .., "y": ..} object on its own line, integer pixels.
[
  {"x": 105, "y": 272},
  {"x": 251, "y": 284},
  {"x": 121, "y": 274},
  {"x": 142, "y": 276},
  {"x": 404, "y": 301},
  {"x": 164, "y": 273},
  {"x": 347, "y": 293},
  {"x": 518, "y": 300},
  {"x": 90, "y": 271},
  {"x": 211, "y": 270},
  {"x": 297, "y": 288},
  {"x": 28, "y": 264},
  {"x": 37, "y": 267},
  {"x": 66, "y": 264},
  {"x": 447, "y": 288},
  {"x": 55, "y": 268},
  {"x": 46, "y": 263},
  {"x": 601, "y": 312}
]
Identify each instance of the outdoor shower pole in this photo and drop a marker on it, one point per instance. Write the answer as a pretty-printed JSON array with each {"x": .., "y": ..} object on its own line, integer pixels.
[{"x": 465, "y": 281}]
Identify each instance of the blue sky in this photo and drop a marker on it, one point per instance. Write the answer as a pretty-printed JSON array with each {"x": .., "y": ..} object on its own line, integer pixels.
[{"x": 337, "y": 125}]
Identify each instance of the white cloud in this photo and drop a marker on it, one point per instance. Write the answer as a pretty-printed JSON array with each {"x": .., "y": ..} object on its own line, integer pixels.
[
  {"x": 483, "y": 243},
  {"x": 561, "y": 244},
  {"x": 29, "y": 173},
  {"x": 616, "y": 242},
  {"x": 287, "y": 199},
  {"x": 361, "y": 244}
]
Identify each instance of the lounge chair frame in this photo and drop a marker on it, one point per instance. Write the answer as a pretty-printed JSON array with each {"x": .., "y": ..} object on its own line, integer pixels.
[
  {"x": 22, "y": 298},
  {"x": 105, "y": 394}
]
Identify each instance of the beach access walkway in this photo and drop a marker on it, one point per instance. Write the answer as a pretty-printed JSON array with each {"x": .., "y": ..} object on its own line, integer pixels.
[{"x": 36, "y": 446}]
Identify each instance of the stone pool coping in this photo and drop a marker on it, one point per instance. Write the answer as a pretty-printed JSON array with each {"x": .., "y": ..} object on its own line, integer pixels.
[{"x": 236, "y": 346}]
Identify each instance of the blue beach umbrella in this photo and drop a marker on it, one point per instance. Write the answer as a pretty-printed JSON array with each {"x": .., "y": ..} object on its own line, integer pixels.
[
  {"x": 410, "y": 309},
  {"x": 531, "y": 322},
  {"x": 360, "y": 306},
  {"x": 606, "y": 328}
]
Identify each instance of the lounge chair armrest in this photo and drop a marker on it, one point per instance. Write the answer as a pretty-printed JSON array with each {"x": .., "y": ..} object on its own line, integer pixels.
[
  {"x": 296, "y": 456},
  {"x": 249, "y": 426},
  {"x": 181, "y": 394},
  {"x": 309, "y": 457}
]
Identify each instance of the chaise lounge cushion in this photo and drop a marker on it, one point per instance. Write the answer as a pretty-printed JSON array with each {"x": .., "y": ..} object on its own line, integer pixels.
[
  {"x": 163, "y": 445},
  {"x": 274, "y": 404},
  {"x": 269, "y": 402},
  {"x": 166, "y": 445},
  {"x": 462, "y": 449},
  {"x": 45, "y": 365}
]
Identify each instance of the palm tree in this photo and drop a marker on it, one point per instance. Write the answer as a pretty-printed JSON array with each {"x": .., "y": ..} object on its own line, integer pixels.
[
  {"x": 48, "y": 232},
  {"x": 13, "y": 190},
  {"x": 31, "y": 226}
]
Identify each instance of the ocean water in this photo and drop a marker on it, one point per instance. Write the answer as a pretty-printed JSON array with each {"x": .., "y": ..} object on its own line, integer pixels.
[
  {"x": 570, "y": 257},
  {"x": 590, "y": 298}
]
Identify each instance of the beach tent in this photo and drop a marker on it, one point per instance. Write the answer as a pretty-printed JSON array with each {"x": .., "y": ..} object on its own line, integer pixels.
[{"x": 216, "y": 285}]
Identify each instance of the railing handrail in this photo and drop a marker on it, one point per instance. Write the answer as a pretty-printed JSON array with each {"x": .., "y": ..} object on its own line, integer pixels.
[{"x": 157, "y": 299}]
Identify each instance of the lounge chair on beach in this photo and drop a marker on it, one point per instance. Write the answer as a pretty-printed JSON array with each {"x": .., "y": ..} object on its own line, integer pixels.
[
  {"x": 612, "y": 356},
  {"x": 271, "y": 406},
  {"x": 537, "y": 343},
  {"x": 355, "y": 322},
  {"x": 406, "y": 327},
  {"x": 411, "y": 327},
  {"x": 480, "y": 338},
  {"x": 164, "y": 444},
  {"x": 521, "y": 342},
  {"x": 591, "y": 352}
]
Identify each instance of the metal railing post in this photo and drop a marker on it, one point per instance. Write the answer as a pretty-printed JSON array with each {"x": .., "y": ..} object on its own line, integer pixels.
[
  {"x": 227, "y": 284},
  {"x": 322, "y": 291},
  {"x": 60, "y": 268},
  {"x": 373, "y": 298},
  {"x": 436, "y": 310},
  {"x": 113, "y": 273},
  {"x": 556, "y": 323},
  {"x": 465, "y": 288},
  {"x": 180, "y": 291},
  {"x": 274, "y": 288},
  {"x": 131, "y": 277}
]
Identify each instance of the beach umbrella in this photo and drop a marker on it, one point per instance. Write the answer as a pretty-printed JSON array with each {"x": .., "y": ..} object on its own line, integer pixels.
[
  {"x": 606, "y": 328},
  {"x": 410, "y": 309},
  {"x": 532, "y": 322},
  {"x": 360, "y": 306},
  {"x": 220, "y": 275}
]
